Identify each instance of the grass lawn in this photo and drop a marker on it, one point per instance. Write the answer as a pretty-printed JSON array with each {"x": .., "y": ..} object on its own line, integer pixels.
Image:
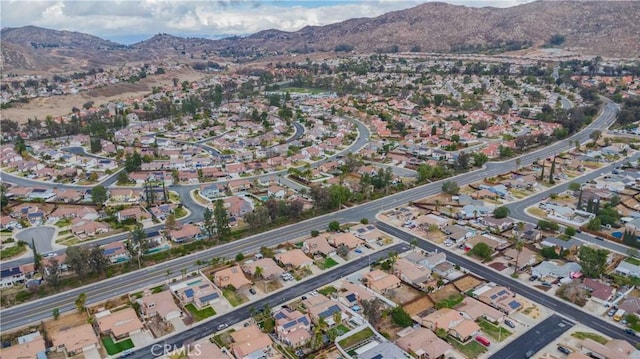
[
  {"x": 356, "y": 338},
  {"x": 593, "y": 336},
  {"x": 63, "y": 223},
  {"x": 115, "y": 348},
  {"x": 157, "y": 289},
  {"x": 450, "y": 302},
  {"x": 471, "y": 350},
  {"x": 326, "y": 263},
  {"x": 13, "y": 251},
  {"x": 180, "y": 212},
  {"x": 633, "y": 261},
  {"x": 199, "y": 315},
  {"x": 496, "y": 332},
  {"x": 327, "y": 290},
  {"x": 233, "y": 297},
  {"x": 339, "y": 330},
  {"x": 223, "y": 339}
]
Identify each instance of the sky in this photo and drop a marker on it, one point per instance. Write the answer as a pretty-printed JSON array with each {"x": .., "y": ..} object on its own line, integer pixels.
[{"x": 128, "y": 21}]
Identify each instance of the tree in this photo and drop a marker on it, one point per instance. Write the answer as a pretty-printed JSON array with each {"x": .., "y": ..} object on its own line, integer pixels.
[
  {"x": 519, "y": 245},
  {"x": 78, "y": 260},
  {"x": 400, "y": 317},
  {"x": 552, "y": 171},
  {"x": 123, "y": 178},
  {"x": 51, "y": 273},
  {"x": 98, "y": 195},
  {"x": 595, "y": 135},
  {"x": 239, "y": 257},
  {"x": 547, "y": 225},
  {"x": 170, "y": 222},
  {"x": 95, "y": 144},
  {"x": 259, "y": 272},
  {"x": 574, "y": 186},
  {"x": 222, "y": 220},
  {"x": 315, "y": 233},
  {"x": 97, "y": 261},
  {"x": 593, "y": 261},
  {"x": 81, "y": 301},
  {"x": 364, "y": 220},
  {"x": 334, "y": 226},
  {"x": 137, "y": 244},
  {"x": 451, "y": 188},
  {"x": 629, "y": 238},
  {"x": 501, "y": 212},
  {"x": 372, "y": 309},
  {"x": 549, "y": 253},
  {"x": 209, "y": 223},
  {"x": 570, "y": 231},
  {"x": 482, "y": 250},
  {"x": 479, "y": 159},
  {"x": 55, "y": 313},
  {"x": 37, "y": 257},
  {"x": 342, "y": 251}
]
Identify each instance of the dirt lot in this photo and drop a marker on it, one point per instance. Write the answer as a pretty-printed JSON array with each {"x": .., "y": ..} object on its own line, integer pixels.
[
  {"x": 404, "y": 294},
  {"x": 467, "y": 283},
  {"x": 65, "y": 322},
  {"x": 418, "y": 306},
  {"x": 444, "y": 293},
  {"x": 62, "y": 105}
]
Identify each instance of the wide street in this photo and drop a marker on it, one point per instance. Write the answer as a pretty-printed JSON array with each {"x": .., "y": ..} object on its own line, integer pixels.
[
  {"x": 14, "y": 317},
  {"x": 535, "y": 338},
  {"x": 556, "y": 305}
]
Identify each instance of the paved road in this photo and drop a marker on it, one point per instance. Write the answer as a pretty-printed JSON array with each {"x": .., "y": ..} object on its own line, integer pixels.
[
  {"x": 556, "y": 305},
  {"x": 42, "y": 237},
  {"x": 535, "y": 339},
  {"x": 517, "y": 210},
  {"x": 77, "y": 150}
]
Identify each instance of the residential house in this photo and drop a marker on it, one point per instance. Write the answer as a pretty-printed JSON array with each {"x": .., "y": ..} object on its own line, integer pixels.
[
  {"x": 526, "y": 257},
  {"x": 473, "y": 241},
  {"x": 237, "y": 206},
  {"x": 29, "y": 346},
  {"x": 347, "y": 239},
  {"x": 161, "y": 304},
  {"x": 426, "y": 221},
  {"x": 199, "y": 292},
  {"x": 240, "y": 185},
  {"x": 450, "y": 320},
  {"x": 380, "y": 281},
  {"x": 499, "y": 297},
  {"x": 125, "y": 195},
  {"x": 571, "y": 244},
  {"x": 119, "y": 324},
  {"x": 354, "y": 294},
  {"x": 270, "y": 269},
  {"x": 75, "y": 340},
  {"x": 250, "y": 343},
  {"x": 136, "y": 213},
  {"x": 321, "y": 307},
  {"x": 631, "y": 305},
  {"x": 318, "y": 245},
  {"x": 231, "y": 277},
  {"x": 423, "y": 343},
  {"x": 600, "y": 292},
  {"x": 207, "y": 348},
  {"x": 497, "y": 224},
  {"x": 628, "y": 268},
  {"x": 212, "y": 190},
  {"x": 416, "y": 275},
  {"x": 186, "y": 233},
  {"x": 457, "y": 234},
  {"x": 115, "y": 252},
  {"x": 613, "y": 349},
  {"x": 294, "y": 258},
  {"x": 475, "y": 310},
  {"x": 292, "y": 327},
  {"x": 277, "y": 192},
  {"x": 556, "y": 269},
  {"x": 87, "y": 228},
  {"x": 367, "y": 232}
]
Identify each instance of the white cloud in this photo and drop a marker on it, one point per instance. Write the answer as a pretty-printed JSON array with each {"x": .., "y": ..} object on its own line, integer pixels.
[{"x": 118, "y": 18}]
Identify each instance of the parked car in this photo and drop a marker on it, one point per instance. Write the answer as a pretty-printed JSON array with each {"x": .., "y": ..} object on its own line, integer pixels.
[
  {"x": 482, "y": 340},
  {"x": 611, "y": 312},
  {"x": 529, "y": 354},
  {"x": 222, "y": 326},
  {"x": 564, "y": 350},
  {"x": 630, "y": 331},
  {"x": 252, "y": 291},
  {"x": 509, "y": 323},
  {"x": 533, "y": 277},
  {"x": 600, "y": 238}
]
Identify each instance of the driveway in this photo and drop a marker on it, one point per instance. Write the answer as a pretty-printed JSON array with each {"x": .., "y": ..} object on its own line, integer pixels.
[
  {"x": 142, "y": 339},
  {"x": 91, "y": 354}
]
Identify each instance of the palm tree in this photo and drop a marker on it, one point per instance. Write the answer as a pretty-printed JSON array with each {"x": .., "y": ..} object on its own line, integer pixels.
[
  {"x": 258, "y": 273},
  {"x": 318, "y": 332},
  {"x": 437, "y": 204},
  {"x": 518, "y": 246}
]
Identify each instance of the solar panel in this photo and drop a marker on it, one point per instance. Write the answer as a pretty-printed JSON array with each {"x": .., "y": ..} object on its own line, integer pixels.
[
  {"x": 209, "y": 297},
  {"x": 280, "y": 315},
  {"x": 289, "y": 324},
  {"x": 361, "y": 230},
  {"x": 203, "y": 286},
  {"x": 329, "y": 312},
  {"x": 502, "y": 292},
  {"x": 303, "y": 320},
  {"x": 377, "y": 356},
  {"x": 189, "y": 293},
  {"x": 351, "y": 297},
  {"x": 110, "y": 251},
  {"x": 514, "y": 304}
]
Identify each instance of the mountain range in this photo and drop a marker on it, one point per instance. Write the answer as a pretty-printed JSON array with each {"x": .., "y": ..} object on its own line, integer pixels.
[{"x": 604, "y": 28}]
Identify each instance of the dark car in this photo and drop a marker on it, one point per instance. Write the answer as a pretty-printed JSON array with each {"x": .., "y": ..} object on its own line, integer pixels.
[
  {"x": 252, "y": 291},
  {"x": 509, "y": 323},
  {"x": 564, "y": 350},
  {"x": 600, "y": 238},
  {"x": 630, "y": 332},
  {"x": 533, "y": 277},
  {"x": 611, "y": 312}
]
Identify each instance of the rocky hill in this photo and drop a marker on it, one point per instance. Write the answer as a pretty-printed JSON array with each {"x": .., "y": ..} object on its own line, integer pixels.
[{"x": 605, "y": 28}]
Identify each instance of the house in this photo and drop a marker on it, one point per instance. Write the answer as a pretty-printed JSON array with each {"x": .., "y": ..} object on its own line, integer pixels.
[
  {"x": 423, "y": 343},
  {"x": 277, "y": 192},
  {"x": 119, "y": 324},
  {"x": 29, "y": 346},
  {"x": 231, "y": 277},
  {"x": 380, "y": 281},
  {"x": 187, "y": 233},
  {"x": 354, "y": 293},
  {"x": 556, "y": 269},
  {"x": 115, "y": 252},
  {"x": 250, "y": 343},
  {"x": 451, "y": 321},
  {"x": 474, "y": 309},
  {"x": 11, "y": 276},
  {"x": 571, "y": 245},
  {"x": 367, "y": 232},
  {"x": 383, "y": 349},
  {"x": 161, "y": 304},
  {"x": 628, "y": 268},
  {"x": 614, "y": 349},
  {"x": 212, "y": 191},
  {"x": 240, "y": 185},
  {"x": 237, "y": 206},
  {"x": 199, "y": 292},
  {"x": 75, "y": 340},
  {"x": 88, "y": 228},
  {"x": 347, "y": 239},
  {"x": 497, "y": 224},
  {"x": 433, "y": 260},
  {"x": 125, "y": 195},
  {"x": 429, "y": 220},
  {"x": 270, "y": 269},
  {"x": 473, "y": 241},
  {"x": 457, "y": 234},
  {"x": 526, "y": 257},
  {"x": 318, "y": 245},
  {"x": 321, "y": 307},
  {"x": 631, "y": 305},
  {"x": 600, "y": 292},
  {"x": 294, "y": 258},
  {"x": 292, "y": 327},
  {"x": 498, "y": 297},
  {"x": 411, "y": 273}
]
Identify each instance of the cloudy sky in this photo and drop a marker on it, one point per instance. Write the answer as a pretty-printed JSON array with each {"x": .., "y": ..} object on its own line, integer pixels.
[{"x": 128, "y": 21}]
